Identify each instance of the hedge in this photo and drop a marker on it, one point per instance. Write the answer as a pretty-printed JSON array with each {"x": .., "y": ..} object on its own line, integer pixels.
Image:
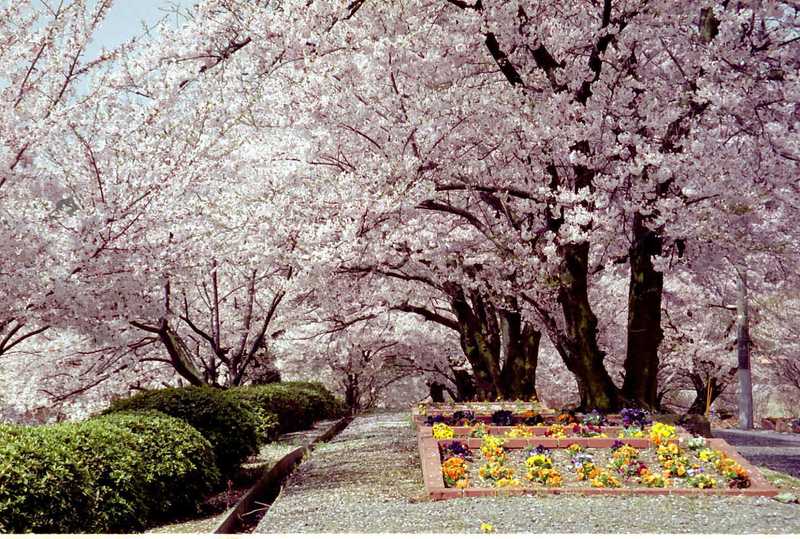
[
  {"x": 147, "y": 457},
  {"x": 231, "y": 426},
  {"x": 179, "y": 467},
  {"x": 297, "y": 404},
  {"x": 43, "y": 488},
  {"x": 115, "y": 474}
]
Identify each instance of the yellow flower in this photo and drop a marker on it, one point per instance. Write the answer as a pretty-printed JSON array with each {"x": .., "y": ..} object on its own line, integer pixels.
[
  {"x": 661, "y": 433},
  {"x": 486, "y": 527},
  {"x": 442, "y": 431},
  {"x": 507, "y": 482}
]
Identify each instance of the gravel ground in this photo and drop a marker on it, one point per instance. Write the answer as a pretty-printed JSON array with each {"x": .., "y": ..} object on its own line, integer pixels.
[
  {"x": 775, "y": 450},
  {"x": 368, "y": 480}
]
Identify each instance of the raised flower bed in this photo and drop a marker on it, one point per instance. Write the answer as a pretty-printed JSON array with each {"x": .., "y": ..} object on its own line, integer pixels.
[{"x": 580, "y": 457}]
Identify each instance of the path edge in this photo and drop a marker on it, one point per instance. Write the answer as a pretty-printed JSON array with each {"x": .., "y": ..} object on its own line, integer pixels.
[{"x": 273, "y": 478}]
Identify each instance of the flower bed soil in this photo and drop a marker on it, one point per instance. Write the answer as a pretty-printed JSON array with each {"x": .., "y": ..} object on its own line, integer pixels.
[{"x": 431, "y": 459}]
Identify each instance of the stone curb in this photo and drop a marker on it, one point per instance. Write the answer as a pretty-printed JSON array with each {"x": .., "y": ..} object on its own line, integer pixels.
[{"x": 268, "y": 486}]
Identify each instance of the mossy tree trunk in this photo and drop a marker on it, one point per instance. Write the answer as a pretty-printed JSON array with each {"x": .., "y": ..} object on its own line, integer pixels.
[
  {"x": 481, "y": 326},
  {"x": 644, "y": 317},
  {"x": 701, "y": 387},
  {"x": 578, "y": 346},
  {"x": 518, "y": 376}
]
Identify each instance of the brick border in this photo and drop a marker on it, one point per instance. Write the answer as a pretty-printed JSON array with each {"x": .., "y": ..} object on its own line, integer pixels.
[
  {"x": 434, "y": 482},
  {"x": 611, "y": 432},
  {"x": 420, "y": 419}
]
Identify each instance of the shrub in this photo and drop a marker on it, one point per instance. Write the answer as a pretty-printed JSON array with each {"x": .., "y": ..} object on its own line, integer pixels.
[
  {"x": 42, "y": 486},
  {"x": 231, "y": 426},
  {"x": 117, "y": 473},
  {"x": 179, "y": 467},
  {"x": 107, "y": 455},
  {"x": 296, "y": 404},
  {"x": 325, "y": 404},
  {"x": 72, "y": 477}
]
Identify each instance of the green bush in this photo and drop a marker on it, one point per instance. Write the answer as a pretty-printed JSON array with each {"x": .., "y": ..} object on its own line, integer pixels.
[
  {"x": 297, "y": 404},
  {"x": 231, "y": 426},
  {"x": 117, "y": 473},
  {"x": 179, "y": 467},
  {"x": 43, "y": 488},
  {"x": 108, "y": 454},
  {"x": 72, "y": 477},
  {"x": 325, "y": 404},
  {"x": 269, "y": 423}
]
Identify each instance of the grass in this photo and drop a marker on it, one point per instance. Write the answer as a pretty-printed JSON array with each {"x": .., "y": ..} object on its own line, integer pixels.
[
  {"x": 204, "y": 525},
  {"x": 781, "y": 480}
]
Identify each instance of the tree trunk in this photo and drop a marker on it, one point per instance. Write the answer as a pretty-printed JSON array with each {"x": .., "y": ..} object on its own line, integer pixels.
[
  {"x": 700, "y": 402},
  {"x": 518, "y": 376},
  {"x": 179, "y": 355},
  {"x": 644, "y": 318},
  {"x": 579, "y": 348},
  {"x": 479, "y": 351},
  {"x": 436, "y": 391},
  {"x": 743, "y": 350},
  {"x": 352, "y": 397},
  {"x": 465, "y": 386}
]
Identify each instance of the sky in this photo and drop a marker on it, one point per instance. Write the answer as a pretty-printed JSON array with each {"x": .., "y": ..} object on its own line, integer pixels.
[{"x": 125, "y": 20}]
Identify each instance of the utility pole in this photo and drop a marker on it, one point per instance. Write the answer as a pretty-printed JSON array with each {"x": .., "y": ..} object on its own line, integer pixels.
[{"x": 743, "y": 351}]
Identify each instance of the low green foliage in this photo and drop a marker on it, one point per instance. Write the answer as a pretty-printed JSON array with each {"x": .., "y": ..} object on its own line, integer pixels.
[
  {"x": 297, "y": 404},
  {"x": 117, "y": 473},
  {"x": 232, "y": 426},
  {"x": 178, "y": 463},
  {"x": 43, "y": 487},
  {"x": 148, "y": 457}
]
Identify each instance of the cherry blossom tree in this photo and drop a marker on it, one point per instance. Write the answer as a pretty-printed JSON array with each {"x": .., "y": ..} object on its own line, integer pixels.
[
  {"x": 569, "y": 137},
  {"x": 43, "y": 53},
  {"x": 502, "y": 170}
]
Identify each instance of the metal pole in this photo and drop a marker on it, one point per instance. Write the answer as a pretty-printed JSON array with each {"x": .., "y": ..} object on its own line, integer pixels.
[{"x": 743, "y": 351}]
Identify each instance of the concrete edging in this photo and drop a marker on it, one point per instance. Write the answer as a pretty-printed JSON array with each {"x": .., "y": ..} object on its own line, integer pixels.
[{"x": 272, "y": 480}]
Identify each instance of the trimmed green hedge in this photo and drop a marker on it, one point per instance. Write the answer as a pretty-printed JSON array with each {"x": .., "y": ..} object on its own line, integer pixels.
[
  {"x": 297, "y": 404},
  {"x": 43, "y": 488},
  {"x": 114, "y": 474},
  {"x": 150, "y": 456},
  {"x": 230, "y": 425},
  {"x": 179, "y": 467}
]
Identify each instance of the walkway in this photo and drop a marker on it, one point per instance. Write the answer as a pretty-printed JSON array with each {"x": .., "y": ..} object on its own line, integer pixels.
[
  {"x": 777, "y": 451},
  {"x": 368, "y": 480}
]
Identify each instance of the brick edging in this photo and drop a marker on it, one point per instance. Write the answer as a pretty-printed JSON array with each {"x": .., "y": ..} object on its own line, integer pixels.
[{"x": 434, "y": 482}]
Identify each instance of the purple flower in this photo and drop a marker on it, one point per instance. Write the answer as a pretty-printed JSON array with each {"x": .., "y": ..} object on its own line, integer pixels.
[
  {"x": 503, "y": 418},
  {"x": 456, "y": 449},
  {"x": 635, "y": 416}
]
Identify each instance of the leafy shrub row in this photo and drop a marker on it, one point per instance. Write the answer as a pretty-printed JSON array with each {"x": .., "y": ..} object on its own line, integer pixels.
[
  {"x": 297, "y": 405},
  {"x": 232, "y": 427},
  {"x": 147, "y": 457},
  {"x": 116, "y": 473}
]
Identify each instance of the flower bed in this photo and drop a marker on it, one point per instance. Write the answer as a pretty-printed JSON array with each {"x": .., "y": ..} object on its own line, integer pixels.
[
  {"x": 585, "y": 457},
  {"x": 506, "y": 414}
]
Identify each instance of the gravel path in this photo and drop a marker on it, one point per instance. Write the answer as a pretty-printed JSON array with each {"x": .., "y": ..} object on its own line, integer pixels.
[
  {"x": 368, "y": 480},
  {"x": 775, "y": 450}
]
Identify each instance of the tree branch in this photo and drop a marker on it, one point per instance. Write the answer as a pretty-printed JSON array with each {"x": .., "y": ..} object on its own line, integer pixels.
[{"x": 427, "y": 314}]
